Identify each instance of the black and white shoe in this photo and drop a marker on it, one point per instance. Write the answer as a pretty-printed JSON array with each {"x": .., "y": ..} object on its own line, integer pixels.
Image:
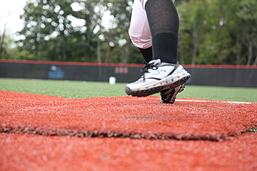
[
  {"x": 157, "y": 76},
  {"x": 169, "y": 95}
]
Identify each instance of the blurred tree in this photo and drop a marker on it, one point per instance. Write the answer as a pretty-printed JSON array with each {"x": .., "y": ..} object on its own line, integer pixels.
[
  {"x": 192, "y": 25},
  {"x": 3, "y": 41},
  {"x": 248, "y": 29},
  {"x": 218, "y": 43},
  {"x": 211, "y": 31},
  {"x": 51, "y": 33},
  {"x": 217, "y": 31},
  {"x": 115, "y": 43}
]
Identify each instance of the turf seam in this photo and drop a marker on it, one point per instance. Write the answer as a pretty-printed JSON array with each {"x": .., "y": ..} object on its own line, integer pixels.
[
  {"x": 116, "y": 134},
  {"x": 126, "y": 117}
]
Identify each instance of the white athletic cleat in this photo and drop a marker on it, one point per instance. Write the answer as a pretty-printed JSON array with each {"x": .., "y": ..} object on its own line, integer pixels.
[
  {"x": 169, "y": 95},
  {"x": 157, "y": 76}
]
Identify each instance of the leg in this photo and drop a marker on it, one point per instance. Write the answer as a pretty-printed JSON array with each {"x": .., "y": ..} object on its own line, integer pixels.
[
  {"x": 163, "y": 72},
  {"x": 141, "y": 37},
  {"x": 164, "y": 24},
  {"x": 139, "y": 31}
]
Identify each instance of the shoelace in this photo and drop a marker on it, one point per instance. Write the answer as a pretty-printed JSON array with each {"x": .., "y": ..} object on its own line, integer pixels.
[{"x": 147, "y": 67}]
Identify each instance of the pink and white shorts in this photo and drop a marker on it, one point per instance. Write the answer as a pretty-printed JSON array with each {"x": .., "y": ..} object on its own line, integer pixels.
[{"x": 139, "y": 31}]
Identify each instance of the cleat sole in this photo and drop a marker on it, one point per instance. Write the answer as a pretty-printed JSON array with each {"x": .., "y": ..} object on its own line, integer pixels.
[{"x": 147, "y": 92}]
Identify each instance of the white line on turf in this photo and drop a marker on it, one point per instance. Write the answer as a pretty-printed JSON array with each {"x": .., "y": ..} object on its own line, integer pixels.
[
  {"x": 201, "y": 101},
  {"x": 206, "y": 101}
]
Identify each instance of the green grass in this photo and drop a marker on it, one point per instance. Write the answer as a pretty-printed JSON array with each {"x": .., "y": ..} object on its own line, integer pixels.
[
  {"x": 79, "y": 89},
  {"x": 69, "y": 89}
]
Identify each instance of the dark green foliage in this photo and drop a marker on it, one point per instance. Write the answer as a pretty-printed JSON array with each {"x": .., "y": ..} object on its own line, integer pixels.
[
  {"x": 218, "y": 32},
  {"x": 211, "y": 31}
]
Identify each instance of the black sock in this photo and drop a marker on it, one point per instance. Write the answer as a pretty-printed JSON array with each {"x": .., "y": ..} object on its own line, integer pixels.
[
  {"x": 147, "y": 54},
  {"x": 164, "y": 23}
]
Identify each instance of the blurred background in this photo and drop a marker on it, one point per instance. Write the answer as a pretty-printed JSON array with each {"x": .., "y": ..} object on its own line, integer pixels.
[
  {"x": 211, "y": 31},
  {"x": 217, "y": 40}
]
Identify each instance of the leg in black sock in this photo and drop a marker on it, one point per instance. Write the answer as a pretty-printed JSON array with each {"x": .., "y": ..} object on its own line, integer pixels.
[
  {"x": 164, "y": 24},
  {"x": 147, "y": 54}
]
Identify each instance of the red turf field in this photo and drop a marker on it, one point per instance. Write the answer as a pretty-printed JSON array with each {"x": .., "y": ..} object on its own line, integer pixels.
[{"x": 40, "y": 132}]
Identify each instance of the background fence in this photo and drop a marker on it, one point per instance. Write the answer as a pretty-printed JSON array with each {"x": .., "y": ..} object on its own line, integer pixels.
[{"x": 208, "y": 75}]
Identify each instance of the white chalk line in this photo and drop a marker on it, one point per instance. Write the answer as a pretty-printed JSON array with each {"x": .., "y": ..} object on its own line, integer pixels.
[
  {"x": 205, "y": 101},
  {"x": 208, "y": 101}
]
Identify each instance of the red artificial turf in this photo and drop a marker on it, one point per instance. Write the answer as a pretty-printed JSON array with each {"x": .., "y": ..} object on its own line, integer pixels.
[
  {"x": 124, "y": 117},
  {"x": 154, "y": 125}
]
